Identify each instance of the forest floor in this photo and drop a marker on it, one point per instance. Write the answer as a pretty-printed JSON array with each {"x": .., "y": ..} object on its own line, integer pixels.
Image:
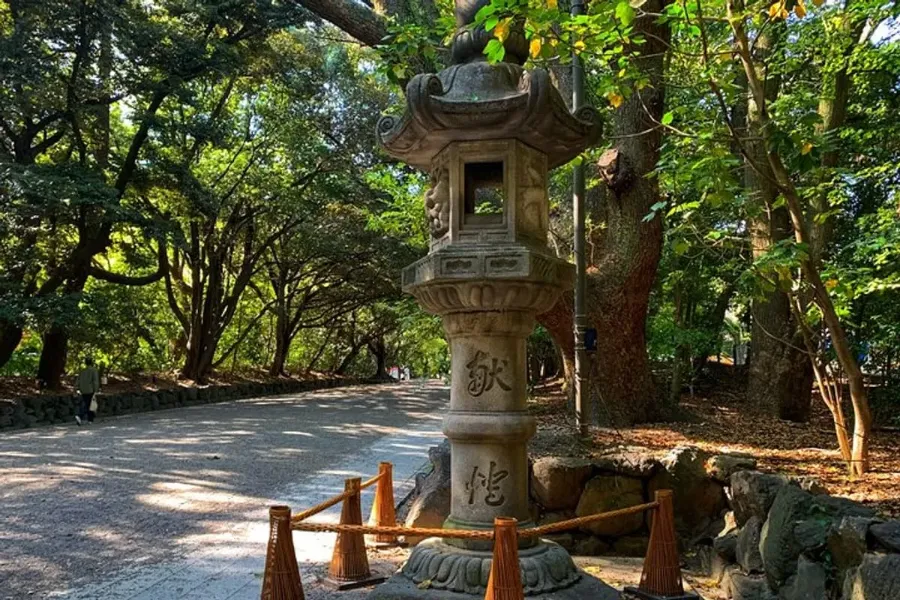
[
  {"x": 717, "y": 418},
  {"x": 12, "y": 387}
]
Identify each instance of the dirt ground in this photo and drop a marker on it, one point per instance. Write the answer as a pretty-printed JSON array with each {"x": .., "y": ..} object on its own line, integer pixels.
[{"x": 718, "y": 419}]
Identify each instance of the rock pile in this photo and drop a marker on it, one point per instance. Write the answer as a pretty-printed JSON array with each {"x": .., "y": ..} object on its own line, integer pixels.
[{"x": 788, "y": 540}]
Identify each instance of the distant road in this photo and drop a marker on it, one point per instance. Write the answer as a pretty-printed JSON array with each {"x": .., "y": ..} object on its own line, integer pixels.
[{"x": 172, "y": 504}]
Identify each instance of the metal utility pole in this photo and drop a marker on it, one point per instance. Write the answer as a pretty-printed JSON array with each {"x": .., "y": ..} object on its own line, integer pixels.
[{"x": 580, "y": 324}]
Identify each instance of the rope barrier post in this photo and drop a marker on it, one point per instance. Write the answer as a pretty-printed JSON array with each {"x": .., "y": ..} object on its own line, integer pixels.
[
  {"x": 661, "y": 576},
  {"x": 383, "y": 511},
  {"x": 349, "y": 564},
  {"x": 505, "y": 580},
  {"x": 281, "y": 579}
]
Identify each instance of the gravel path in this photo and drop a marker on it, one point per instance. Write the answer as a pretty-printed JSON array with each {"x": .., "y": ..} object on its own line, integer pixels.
[{"x": 172, "y": 504}]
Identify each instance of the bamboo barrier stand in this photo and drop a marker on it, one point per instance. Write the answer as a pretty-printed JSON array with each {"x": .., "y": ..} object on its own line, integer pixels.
[
  {"x": 661, "y": 576},
  {"x": 505, "y": 580},
  {"x": 383, "y": 511},
  {"x": 660, "y": 579},
  {"x": 281, "y": 579},
  {"x": 349, "y": 567}
]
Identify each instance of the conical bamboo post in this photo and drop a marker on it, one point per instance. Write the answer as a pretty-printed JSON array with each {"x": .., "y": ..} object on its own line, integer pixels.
[
  {"x": 661, "y": 576},
  {"x": 281, "y": 579},
  {"x": 383, "y": 511},
  {"x": 505, "y": 580},
  {"x": 349, "y": 564}
]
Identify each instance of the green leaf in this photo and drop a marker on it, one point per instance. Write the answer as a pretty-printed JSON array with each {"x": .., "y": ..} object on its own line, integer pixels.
[
  {"x": 625, "y": 12},
  {"x": 667, "y": 118}
]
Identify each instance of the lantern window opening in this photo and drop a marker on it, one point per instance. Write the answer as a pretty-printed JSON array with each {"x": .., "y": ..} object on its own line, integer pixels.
[{"x": 485, "y": 193}]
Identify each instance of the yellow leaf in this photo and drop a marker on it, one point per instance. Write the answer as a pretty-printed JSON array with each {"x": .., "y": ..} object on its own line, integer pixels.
[
  {"x": 554, "y": 42},
  {"x": 806, "y": 148},
  {"x": 551, "y": 4},
  {"x": 501, "y": 31},
  {"x": 800, "y": 9},
  {"x": 615, "y": 99},
  {"x": 775, "y": 10},
  {"x": 535, "y": 47},
  {"x": 831, "y": 284},
  {"x": 818, "y": 2},
  {"x": 579, "y": 46},
  {"x": 784, "y": 13}
]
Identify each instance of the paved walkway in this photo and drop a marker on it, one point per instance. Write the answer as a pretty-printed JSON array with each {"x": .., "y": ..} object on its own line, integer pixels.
[{"x": 172, "y": 504}]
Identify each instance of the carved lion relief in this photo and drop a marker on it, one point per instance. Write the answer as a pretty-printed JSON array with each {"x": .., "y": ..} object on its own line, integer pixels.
[{"x": 437, "y": 203}]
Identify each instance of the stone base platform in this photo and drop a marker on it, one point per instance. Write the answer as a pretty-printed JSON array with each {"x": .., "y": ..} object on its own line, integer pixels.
[
  {"x": 401, "y": 588},
  {"x": 437, "y": 571}
]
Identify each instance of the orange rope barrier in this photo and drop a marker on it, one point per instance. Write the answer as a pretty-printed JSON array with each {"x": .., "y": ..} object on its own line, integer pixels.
[
  {"x": 470, "y": 534},
  {"x": 574, "y": 523},
  {"x": 370, "y": 529},
  {"x": 334, "y": 500}
]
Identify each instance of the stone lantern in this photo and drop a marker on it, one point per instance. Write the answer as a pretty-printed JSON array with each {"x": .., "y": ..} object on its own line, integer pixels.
[{"x": 488, "y": 135}]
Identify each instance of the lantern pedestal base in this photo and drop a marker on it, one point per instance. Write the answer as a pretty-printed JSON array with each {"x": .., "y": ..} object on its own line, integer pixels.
[
  {"x": 454, "y": 573},
  {"x": 636, "y": 594}
]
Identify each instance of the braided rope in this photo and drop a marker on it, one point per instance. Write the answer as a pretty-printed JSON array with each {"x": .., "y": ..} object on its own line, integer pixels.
[
  {"x": 469, "y": 534},
  {"x": 578, "y": 522},
  {"x": 333, "y": 501},
  {"x": 460, "y": 534}
]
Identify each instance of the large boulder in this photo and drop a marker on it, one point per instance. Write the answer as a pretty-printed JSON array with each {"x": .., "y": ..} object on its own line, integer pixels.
[
  {"x": 605, "y": 493},
  {"x": 431, "y": 504},
  {"x": 752, "y": 494},
  {"x": 778, "y": 546},
  {"x": 722, "y": 466},
  {"x": 738, "y": 586},
  {"x": 632, "y": 461},
  {"x": 747, "y": 546},
  {"x": 800, "y": 522},
  {"x": 698, "y": 500},
  {"x": 807, "y": 584},
  {"x": 847, "y": 542},
  {"x": 877, "y": 578},
  {"x": 887, "y": 535},
  {"x": 556, "y": 482},
  {"x": 725, "y": 546}
]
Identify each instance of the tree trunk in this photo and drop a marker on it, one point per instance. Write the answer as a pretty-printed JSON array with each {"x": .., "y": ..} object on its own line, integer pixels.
[
  {"x": 282, "y": 344},
  {"x": 10, "y": 336},
  {"x": 55, "y": 351},
  {"x": 626, "y": 251},
  {"x": 780, "y": 378},
  {"x": 378, "y": 348}
]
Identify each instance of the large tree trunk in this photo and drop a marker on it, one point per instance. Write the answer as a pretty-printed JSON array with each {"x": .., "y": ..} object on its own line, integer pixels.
[
  {"x": 55, "y": 351},
  {"x": 626, "y": 251},
  {"x": 10, "y": 336},
  {"x": 780, "y": 377}
]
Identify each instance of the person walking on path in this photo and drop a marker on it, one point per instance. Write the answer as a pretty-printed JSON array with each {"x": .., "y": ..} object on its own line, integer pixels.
[{"x": 88, "y": 384}]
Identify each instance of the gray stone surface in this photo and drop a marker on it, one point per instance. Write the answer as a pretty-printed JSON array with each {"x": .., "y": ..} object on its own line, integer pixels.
[
  {"x": 632, "y": 461},
  {"x": 807, "y": 584},
  {"x": 698, "y": 499},
  {"x": 887, "y": 535},
  {"x": 847, "y": 542},
  {"x": 556, "y": 482},
  {"x": 778, "y": 545},
  {"x": 431, "y": 505},
  {"x": 877, "y": 578},
  {"x": 725, "y": 545},
  {"x": 172, "y": 504},
  {"x": 401, "y": 588},
  {"x": 722, "y": 466},
  {"x": 610, "y": 492},
  {"x": 752, "y": 493},
  {"x": 747, "y": 547},
  {"x": 738, "y": 586}
]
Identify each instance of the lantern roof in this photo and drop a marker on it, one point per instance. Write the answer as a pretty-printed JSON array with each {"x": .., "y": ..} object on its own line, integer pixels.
[{"x": 475, "y": 100}]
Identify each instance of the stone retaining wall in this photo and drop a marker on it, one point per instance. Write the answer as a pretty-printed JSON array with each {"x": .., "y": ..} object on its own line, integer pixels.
[{"x": 48, "y": 409}]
